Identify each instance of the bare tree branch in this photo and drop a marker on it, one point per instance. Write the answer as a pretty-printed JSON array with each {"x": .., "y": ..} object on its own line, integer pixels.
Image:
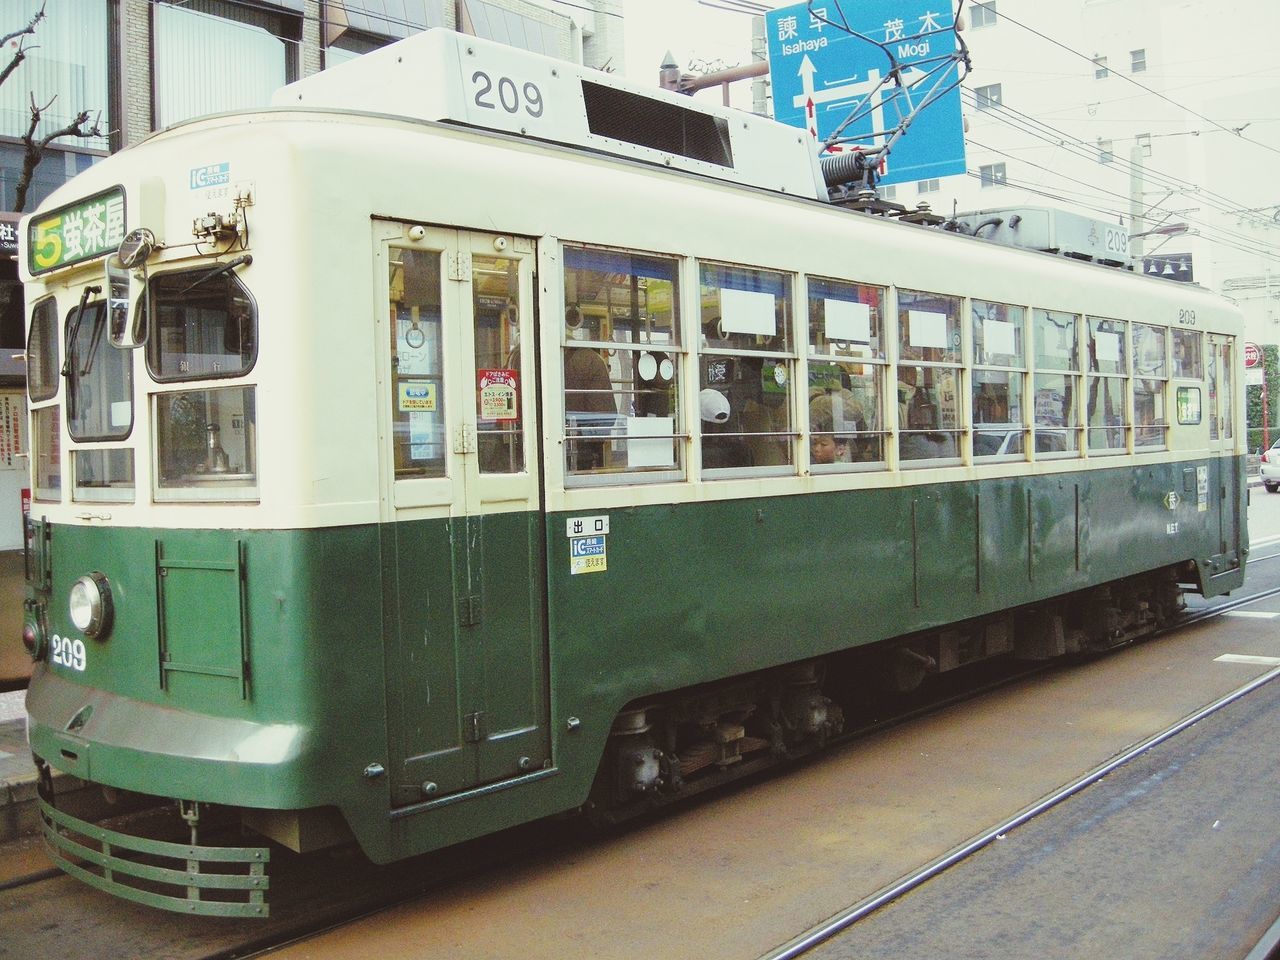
[
  {"x": 21, "y": 53},
  {"x": 34, "y": 148}
]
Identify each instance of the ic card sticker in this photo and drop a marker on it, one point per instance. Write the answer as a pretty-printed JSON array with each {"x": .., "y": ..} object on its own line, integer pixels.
[{"x": 587, "y": 555}]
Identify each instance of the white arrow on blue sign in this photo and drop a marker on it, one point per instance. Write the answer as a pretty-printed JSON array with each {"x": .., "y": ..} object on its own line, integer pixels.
[{"x": 820, "y": 73}]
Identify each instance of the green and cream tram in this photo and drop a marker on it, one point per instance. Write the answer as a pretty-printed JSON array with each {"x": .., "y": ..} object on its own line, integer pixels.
[{"x": 473, "y": 437}]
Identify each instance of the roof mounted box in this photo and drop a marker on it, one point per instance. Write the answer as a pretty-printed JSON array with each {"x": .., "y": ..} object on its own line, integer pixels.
[
  {"x": 1053, "y": 231},
  {"x": 441, "y": 75}
]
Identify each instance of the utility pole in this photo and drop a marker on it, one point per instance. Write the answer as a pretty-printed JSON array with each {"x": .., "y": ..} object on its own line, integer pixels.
[
  {"x": 1137, "y": 221},
  {"x": 759, "y": 54}
]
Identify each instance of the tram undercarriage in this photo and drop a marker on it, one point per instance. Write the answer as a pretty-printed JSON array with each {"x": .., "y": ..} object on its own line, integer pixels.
[{"x": 672, "y": 746}]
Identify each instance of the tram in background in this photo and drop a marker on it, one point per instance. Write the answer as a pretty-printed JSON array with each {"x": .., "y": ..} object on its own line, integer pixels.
[{"x": 473, "y": 437}]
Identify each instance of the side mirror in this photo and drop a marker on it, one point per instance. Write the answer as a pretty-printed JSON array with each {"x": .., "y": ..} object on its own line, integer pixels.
[{"x": 127, "y": 290}]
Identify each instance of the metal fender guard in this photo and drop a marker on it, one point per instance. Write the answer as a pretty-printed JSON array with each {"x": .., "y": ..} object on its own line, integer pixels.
[{"x": 122, "y": 865}]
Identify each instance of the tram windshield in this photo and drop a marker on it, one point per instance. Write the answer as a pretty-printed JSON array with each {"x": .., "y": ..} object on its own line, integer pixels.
[
  {"x": 204, "y": 327},
  {"x": 99, "y": 379}
]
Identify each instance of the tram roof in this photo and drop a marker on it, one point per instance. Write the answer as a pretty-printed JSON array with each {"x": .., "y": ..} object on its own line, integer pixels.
[{"x": 442, "y": 75}]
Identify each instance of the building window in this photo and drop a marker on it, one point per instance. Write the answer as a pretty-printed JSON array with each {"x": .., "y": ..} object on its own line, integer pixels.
[
  {"x": 1106, "y": 151},
  {"x": 992, "y": 174},
  {"x": 534, "y": 29},
  {"x": 350, "y": 46},
  {"x": 352, "y": 28},
  {"x": 989, "y": 97},
  {"x": 888, "y": 193},
  {"x": 983, "y": 14},
  {"x": 1100, "y": 71},
  {"x": 262, "y": 44},
  {"x": 929, "y": 186},
  {"x": 1144, "y": 143},
  {"x": 1138, "y": 61},
  {"x": 66, "y": 63}
]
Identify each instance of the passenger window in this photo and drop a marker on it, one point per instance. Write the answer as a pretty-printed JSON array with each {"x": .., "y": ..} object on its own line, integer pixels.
[
  {"x": 1107, "y": 385},
  {"x": 99, "y": 378},
  {"x": 203, "y": 326},
  {"x": 46, "y": 454},
  {"x": 745, "y": 370},
  {"x": 999, "y": 375},
  {"x": 206, "y": 444},
  {"x": 846, "y": 373},
  {"x": 417, "y": 364},
  {"x": 103, "y": 474},
  {"x": 928, "y": 376},
  {"x": 1188, "y": 355},
  {"x": 495, "y": 307},
  {"x": 1056, "y": 382},
  {"x": 42, "y": 351},
  {"x": 1150, "y": 374},
  {"x": 621, "y": 360}
]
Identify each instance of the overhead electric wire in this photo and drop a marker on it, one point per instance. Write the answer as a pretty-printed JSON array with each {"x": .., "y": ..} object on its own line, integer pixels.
[
  {"x": 1227, "y": 237},
  {"x": 1142, "y": 86},
  {"x": 1048, "y": 133},
  {"x": 1028, "y": 126}
]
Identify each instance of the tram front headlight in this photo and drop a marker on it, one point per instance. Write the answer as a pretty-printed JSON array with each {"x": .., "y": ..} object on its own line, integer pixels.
[{"x": 90, "y": 605}]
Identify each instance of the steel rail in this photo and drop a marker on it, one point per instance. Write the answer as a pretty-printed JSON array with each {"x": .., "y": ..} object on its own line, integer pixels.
[{"x": 846, "y": 918}]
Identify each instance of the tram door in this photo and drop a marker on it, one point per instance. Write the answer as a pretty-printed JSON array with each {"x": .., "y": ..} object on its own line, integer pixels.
[
  {"x": 1222, "y": 438},
  {"x": 462, "y": 553}
]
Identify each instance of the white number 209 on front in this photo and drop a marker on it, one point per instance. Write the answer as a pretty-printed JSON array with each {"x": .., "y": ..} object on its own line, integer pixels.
[{"x": 68, "y": 652}]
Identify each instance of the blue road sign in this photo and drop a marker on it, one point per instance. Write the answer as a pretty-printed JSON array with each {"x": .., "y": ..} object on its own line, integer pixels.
[{"x": 820, "y": 73}]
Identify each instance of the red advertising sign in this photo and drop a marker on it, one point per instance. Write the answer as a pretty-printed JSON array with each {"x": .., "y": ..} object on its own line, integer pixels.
[
  {"x": 497, "y": 394},
  {"x": 1252, "y": 355}
]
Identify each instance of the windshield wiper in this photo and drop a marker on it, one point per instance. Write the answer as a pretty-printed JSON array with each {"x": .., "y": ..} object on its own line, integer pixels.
[
  {"x": 99, "y": 325},
  {"x": 69, "y": 362},
  {"x": 242, "y": 260}
]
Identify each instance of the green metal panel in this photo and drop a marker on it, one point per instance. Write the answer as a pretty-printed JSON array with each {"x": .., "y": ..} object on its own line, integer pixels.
[
  {"x": 468, "y": 667},
  {"x": 358, "y": 634},
  {"x": 201, "y": 617}
]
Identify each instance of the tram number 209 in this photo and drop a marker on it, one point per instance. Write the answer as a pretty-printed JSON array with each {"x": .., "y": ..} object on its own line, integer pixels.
[
  {"x": 505, "y": 94},
  {"x": 68, "y": 652}
]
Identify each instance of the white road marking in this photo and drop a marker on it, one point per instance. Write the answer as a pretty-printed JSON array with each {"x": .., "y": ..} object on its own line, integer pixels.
[
  {"x": 1252, "y": 614},
  {"x": 1240, "y": 658}
]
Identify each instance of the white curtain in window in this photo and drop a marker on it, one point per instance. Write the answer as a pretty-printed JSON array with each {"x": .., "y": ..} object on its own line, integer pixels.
[
  {"x": 66, "y": 59},
  {"x": 207, "y": 64}
]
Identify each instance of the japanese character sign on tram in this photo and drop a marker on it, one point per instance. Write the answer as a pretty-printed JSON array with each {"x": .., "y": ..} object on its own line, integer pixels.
[
  {"x": 79, "y": 231},
  {"x": 820, "y": 72}
]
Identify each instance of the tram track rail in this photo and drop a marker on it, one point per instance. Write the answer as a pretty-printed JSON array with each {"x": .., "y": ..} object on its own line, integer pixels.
[{"x": 839, "y": 922}]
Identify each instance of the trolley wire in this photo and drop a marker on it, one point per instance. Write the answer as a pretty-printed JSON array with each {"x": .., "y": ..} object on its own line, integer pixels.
[
  {"x": 1142, "y": 86},
  {"x": 1227, "y": 238},
  {"x": 1054, "y": 137}
]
